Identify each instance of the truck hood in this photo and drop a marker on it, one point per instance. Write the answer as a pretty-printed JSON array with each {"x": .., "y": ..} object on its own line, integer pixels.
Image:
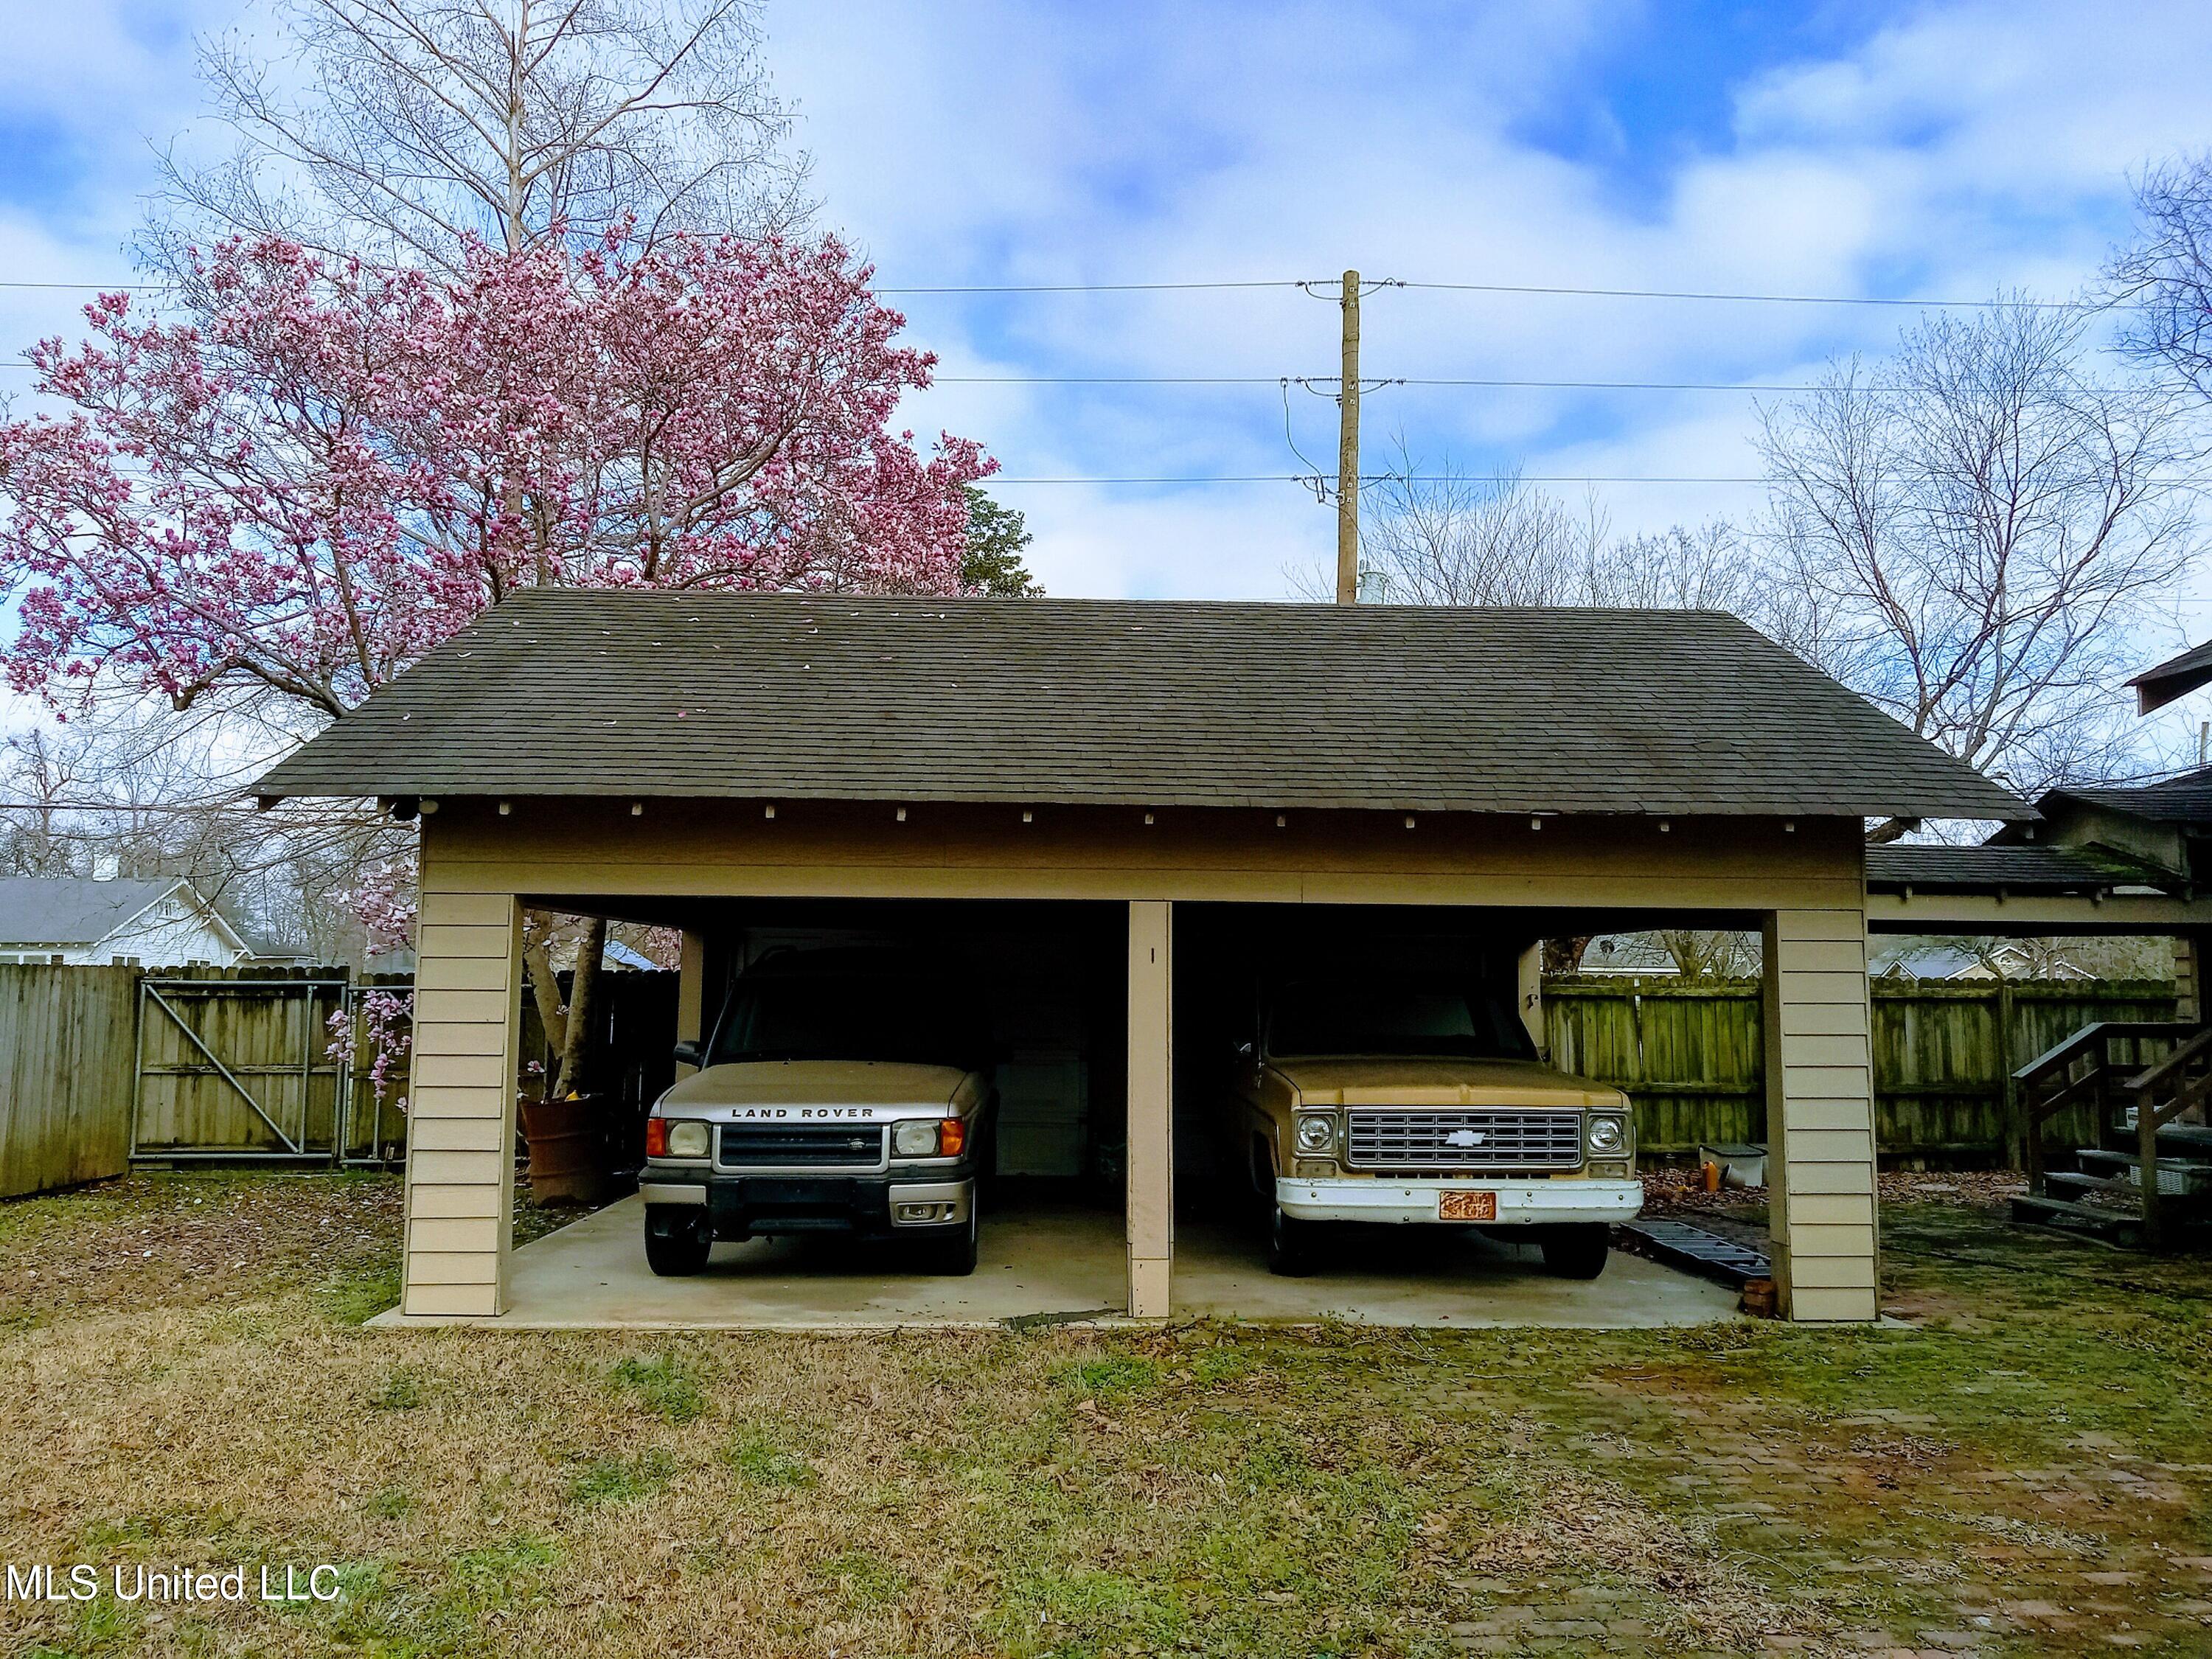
[
  {"x": 890, "y": 1088},
  {"x": 1432, "y": 1080}
]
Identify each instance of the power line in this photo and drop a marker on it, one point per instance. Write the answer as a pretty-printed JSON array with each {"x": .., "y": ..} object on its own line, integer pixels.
[
  {"x": 1085, "y": 288},
  {"x": 1473, "y": 382},
  {"x": 1373, "y": 478},
  {"x": 1490, "y": 384},
  {"x": 1567, "y": 291},
  {"x": 1549, "y": 289},
  {"x": 1461, "y": 478}
]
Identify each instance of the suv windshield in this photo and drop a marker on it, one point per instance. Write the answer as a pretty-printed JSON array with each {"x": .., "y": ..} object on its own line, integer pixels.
[
  {"x": 834, "y": 1016},
  {"x": 1422, "y": 1017}
]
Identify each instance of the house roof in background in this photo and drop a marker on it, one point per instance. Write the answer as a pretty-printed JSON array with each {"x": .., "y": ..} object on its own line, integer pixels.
[
  {"x": 2184, "y": 798},
  {"x": 71, "y": 910},
  {"x": 2175, "y": 677},
  {"x": 2011, "y": 867},
  {"x": 1160, "y": 702}
]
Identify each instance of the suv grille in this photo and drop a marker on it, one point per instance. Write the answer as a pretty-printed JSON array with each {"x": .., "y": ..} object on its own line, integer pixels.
[
  {"x": 801, "y": 1147},
  {"x": 1466, "y": 1140}
]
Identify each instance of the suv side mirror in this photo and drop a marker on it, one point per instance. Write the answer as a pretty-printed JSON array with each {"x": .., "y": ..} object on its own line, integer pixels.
[{"x": 692, "y": 1055}]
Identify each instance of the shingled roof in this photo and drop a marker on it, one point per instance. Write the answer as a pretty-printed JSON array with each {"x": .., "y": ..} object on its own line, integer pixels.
[
  {"x": 1988, "y": 868},
  {"x": 1162, "y": 702},
  {"x": 2186, "y": 799}
]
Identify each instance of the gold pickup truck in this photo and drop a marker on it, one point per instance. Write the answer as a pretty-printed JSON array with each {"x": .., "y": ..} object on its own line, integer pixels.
[{"x": 1420, "y": 1100}]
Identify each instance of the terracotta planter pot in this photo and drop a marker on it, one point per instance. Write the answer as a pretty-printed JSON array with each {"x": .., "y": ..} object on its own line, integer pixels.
[{"x": 563, "y": 1138}]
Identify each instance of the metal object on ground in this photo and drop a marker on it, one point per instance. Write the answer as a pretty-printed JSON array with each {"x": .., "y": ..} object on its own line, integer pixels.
[{"x": 1693, "y": 1248}]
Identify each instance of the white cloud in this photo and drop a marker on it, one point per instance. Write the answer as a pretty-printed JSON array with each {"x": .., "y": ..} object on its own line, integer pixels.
[{"x": 1959, "y": 146}]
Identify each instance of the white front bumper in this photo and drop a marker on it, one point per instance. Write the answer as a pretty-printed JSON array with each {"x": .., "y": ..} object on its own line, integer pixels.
[{"x": 1521, "y": 1203}]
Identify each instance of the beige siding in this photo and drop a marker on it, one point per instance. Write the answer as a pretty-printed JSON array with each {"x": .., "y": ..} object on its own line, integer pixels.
[
  {"x": 461, "y": 1167},
  {"x": 1820, "y": 1113},
  {"x": 1808, "y": 879},
  {"x": 1152, "y": 1108},
  {"x": 582, "y": 849}
]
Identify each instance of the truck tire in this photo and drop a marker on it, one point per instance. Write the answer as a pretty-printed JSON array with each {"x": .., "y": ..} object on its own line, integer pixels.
[
  {"x": 1291, "y": 1243},
  {"x": 675, "y": 1247},
  {"x": 1578, "y": 1251}
]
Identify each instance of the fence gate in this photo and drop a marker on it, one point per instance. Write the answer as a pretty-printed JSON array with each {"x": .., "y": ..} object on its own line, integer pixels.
[{"x": 242, "y": 1069}]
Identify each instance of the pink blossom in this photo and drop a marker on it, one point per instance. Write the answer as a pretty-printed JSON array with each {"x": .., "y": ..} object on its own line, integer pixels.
[{"x": 326, "y": 468}]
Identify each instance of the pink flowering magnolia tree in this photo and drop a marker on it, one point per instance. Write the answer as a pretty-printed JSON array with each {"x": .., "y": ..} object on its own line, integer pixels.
[
  {"x": 325, "y": 469},
  {"x": 321, "y": 469}
]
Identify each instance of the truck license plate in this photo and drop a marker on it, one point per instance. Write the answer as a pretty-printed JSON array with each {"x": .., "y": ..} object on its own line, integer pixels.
[{"x": 1466, "y": 1206}]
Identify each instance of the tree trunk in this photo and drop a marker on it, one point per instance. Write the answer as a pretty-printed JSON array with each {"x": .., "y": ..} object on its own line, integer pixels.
[
  {"x": 545, "y": 991},
  {"x": 582, "y": 989}
]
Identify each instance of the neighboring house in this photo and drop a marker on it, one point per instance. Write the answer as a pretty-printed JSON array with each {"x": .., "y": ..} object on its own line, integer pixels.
[
  {"x": 1940, "y": 959},
  {"x": 158, "y": 922}
]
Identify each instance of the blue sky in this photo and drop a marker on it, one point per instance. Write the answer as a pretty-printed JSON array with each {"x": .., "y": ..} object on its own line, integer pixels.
[{"x": 1873, "y": 149}]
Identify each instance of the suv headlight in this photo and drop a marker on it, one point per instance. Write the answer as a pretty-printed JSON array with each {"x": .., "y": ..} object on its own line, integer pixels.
[
  {"x": 1607, "y": 1134},
  {"x": 1317, "y": 1134},
  {"x": 687, "y": 1139},
  {"x": 914, "y": 1137}
]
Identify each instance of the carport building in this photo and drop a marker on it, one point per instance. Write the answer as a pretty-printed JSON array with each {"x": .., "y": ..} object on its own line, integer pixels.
[{"x": 1164, "y": 768}]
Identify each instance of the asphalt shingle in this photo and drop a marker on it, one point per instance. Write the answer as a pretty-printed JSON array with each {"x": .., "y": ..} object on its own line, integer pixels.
[{"x": 1158, "y": 702}]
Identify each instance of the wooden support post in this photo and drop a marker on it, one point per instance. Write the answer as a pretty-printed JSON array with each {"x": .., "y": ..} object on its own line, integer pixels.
[
  {"x": 1151, "y": 1225},
  {"x": 459, "y": 1225},
  {"x": 2009, "y": 1090},
  {"x": 2147, "y": 1165},
  {"x": 1820, "y": 1112},
  {"x": 1348, "y": 452}
]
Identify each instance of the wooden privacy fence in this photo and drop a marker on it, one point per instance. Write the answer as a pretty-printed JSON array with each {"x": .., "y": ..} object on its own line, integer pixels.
[
  {"x": 65, "y": 1051},
  {"x": 1688, "y": 1053},
  {"x": 240, "y": 1064},
  {"x": 100, "y": 1065},
  {"x": 97, "y": 1063}
]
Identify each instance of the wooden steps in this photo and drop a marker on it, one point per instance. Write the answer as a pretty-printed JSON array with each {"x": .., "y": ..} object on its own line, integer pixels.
[
  {"x": 2138, "y": 1080},
  {"x": 2117, "y": 1226}
]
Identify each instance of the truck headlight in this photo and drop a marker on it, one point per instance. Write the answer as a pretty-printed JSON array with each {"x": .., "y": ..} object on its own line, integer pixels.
[
  {"x": 1607, "y": 1134},
  {"x": 1317, "y": 1134},
  {"x": 914, "y": 1137},
  {"x": 687, "y": 1139}
]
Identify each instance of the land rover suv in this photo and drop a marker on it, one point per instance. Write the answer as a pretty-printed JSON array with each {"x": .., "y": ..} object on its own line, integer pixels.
[
  {"x": 840, "y": 1090},
  {"x": 1419, "y": 1099}
]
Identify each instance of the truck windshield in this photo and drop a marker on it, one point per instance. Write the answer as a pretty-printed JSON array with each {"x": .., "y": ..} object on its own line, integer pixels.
[
  {"x": 839, "y": 1016},
  {"x": 1317, "y": 1016}
]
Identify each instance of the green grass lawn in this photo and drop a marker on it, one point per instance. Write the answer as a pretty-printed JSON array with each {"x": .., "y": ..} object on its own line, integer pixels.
[{"x": 2025, "y": 1469}]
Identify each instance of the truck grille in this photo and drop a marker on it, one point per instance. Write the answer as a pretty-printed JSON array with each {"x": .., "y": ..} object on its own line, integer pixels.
[
  {"x": 1441, "y": 1140},
  {"x": 801, "y": 1147}
]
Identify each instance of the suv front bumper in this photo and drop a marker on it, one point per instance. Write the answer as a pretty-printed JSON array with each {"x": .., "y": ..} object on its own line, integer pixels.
[
  {"x": 741, "y": 1207},
  {"x": 1521, "y": 1202}
]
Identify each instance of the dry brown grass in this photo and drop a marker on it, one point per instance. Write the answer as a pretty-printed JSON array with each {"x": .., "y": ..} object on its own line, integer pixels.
[
  {"x": 529, "y": 1494},
  {"x": 1052, "y": 1492}
]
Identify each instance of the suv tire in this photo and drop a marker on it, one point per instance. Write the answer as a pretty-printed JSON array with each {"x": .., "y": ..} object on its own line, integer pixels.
[
  {"x": 955, "y": 1258},
  {"x": 675, "y": 1247},
  {"x": 1291, "y": 1243},
  {"x": 1578, "y": 1251}
]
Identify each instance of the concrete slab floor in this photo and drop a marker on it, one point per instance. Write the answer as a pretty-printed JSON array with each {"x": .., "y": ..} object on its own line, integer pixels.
[{"x": 1066, "y": 1264}]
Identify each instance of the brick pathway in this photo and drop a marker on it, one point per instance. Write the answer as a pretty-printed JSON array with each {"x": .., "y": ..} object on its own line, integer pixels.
[{"x": 1899, "y": 1542}]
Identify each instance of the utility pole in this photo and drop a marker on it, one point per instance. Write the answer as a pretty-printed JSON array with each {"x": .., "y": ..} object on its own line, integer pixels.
[{"x": 1348, "y": 452}]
